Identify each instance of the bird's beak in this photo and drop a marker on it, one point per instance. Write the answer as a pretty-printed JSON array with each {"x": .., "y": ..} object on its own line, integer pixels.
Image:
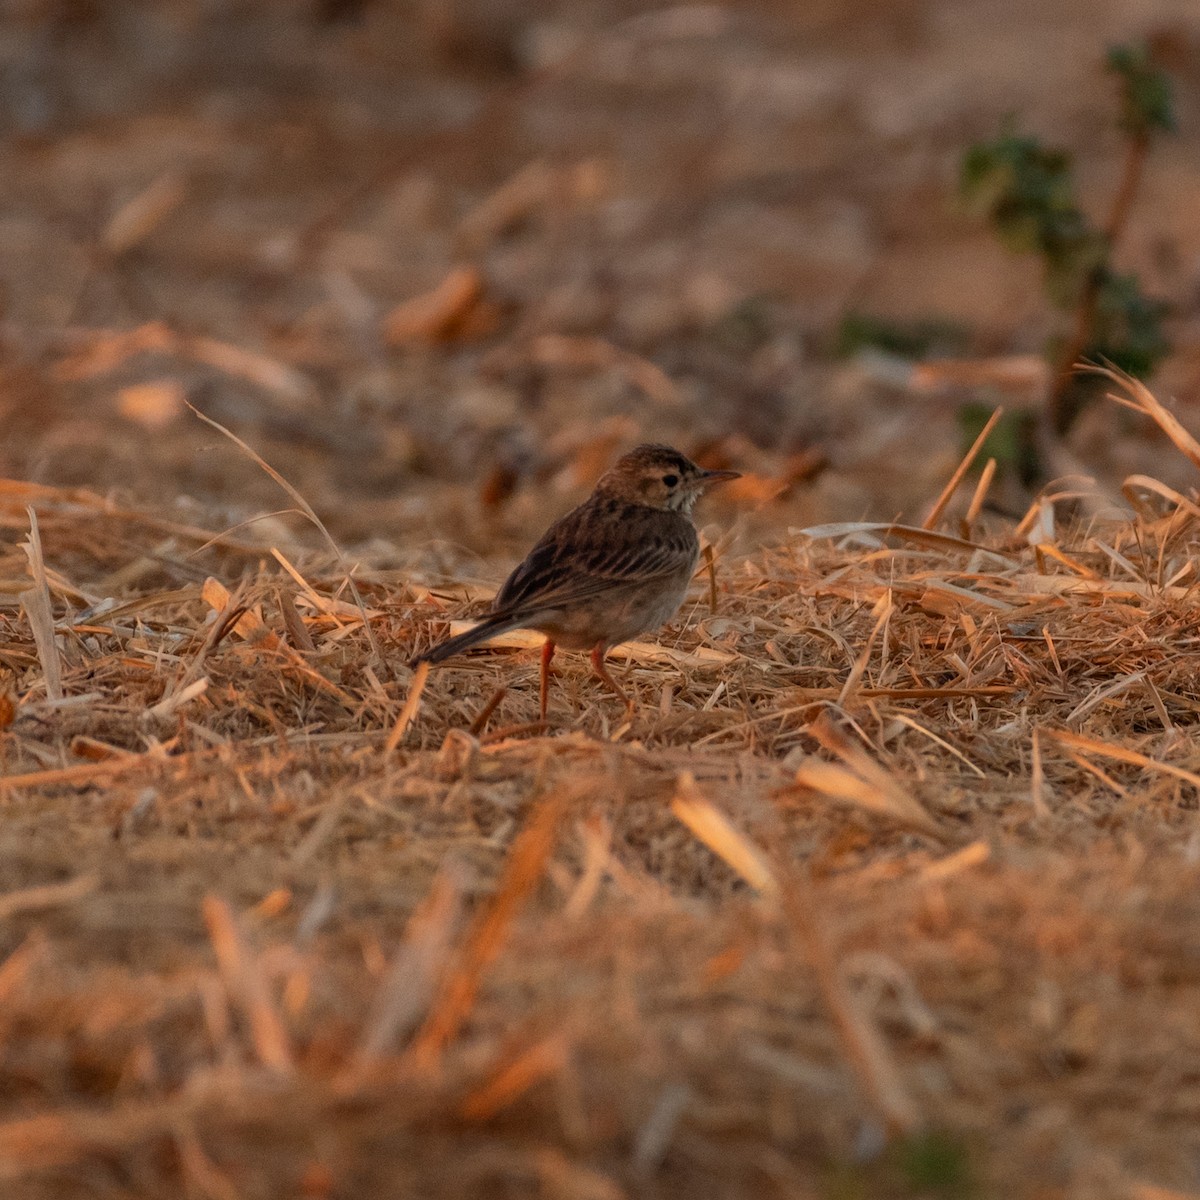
[{"x": 708, "y": 478}]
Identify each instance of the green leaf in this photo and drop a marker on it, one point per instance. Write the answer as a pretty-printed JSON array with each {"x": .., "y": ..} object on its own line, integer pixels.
[
  {"x": 1026, "y": 191},
  {"x": 1128, "y": 329},
  {"x": 1147, "y": 95}
]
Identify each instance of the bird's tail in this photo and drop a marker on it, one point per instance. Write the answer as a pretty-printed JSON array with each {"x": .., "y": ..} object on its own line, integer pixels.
[{"x": 488, "y": 627}]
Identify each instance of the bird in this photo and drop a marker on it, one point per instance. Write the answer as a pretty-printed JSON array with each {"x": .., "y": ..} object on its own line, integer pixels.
[{"x": 613, "y": 568}]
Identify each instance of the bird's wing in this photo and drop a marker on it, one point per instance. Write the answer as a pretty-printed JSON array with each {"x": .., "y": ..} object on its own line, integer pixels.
[{"x": 587, "y": 553}]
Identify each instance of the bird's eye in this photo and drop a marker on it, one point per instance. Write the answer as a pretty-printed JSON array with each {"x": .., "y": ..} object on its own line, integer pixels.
[{"x": 670, "y": 480}]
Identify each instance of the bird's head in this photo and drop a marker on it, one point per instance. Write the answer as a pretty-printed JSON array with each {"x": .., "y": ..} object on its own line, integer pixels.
[{"x": 659, "y": 477}]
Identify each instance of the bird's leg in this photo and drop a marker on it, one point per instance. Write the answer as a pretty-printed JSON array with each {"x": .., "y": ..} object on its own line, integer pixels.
[
  {"x": 544, "y": 679},
  {"x": 598, "y": 653}
]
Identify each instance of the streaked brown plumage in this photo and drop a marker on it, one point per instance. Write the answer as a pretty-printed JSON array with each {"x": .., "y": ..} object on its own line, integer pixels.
[{"x": 613, "y": 568}]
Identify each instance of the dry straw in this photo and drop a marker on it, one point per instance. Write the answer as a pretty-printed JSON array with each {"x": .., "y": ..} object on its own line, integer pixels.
[{"x": 901, "y": 836}]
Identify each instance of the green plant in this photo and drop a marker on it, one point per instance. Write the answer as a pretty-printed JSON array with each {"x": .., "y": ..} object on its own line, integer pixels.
[{"x": 1027, "y": 192}]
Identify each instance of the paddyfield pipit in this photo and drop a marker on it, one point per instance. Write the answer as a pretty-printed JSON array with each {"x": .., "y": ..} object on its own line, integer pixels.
[{"x": 613, "y": 568}]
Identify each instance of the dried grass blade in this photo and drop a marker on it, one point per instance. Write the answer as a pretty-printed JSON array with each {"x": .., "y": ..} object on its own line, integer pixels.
[
  {"x": 250, "y": 626},
  {"x": 531, "y": 187},
  {"x": 718, "y": 833},
  {"x": 596, "y": 836},
  {"x": 1100, "y": 695},
  {"x": 1051, "y": 551},
  {"x": 838, "y": 783},
  {"x": 104, "y": 350},
  {"x": 231, "y": 614},
  {"x": 905, "y": 719},
  {"x": 412, "y": 703},
  {"x": 200, "y": 1173},
  {"x": 46, "y": 895},
  {"x": 951, "y": 692},
  {"x": 1145, "y": 483},
  {"x": 245, "y": 983},
  {"x": 882, "y": 610},
  {"x": 318, "y": 602},
  {"x": 15, "y": 969},
  {"x": 305, "y": 508},
  {"x": 710, "y": 562},
  {"x": 1119, "y": 754},
  {"x": 58, "y": 1138},
  {"x": 514, "y": 1078},
  {"x": 36, "y": 603},
  {"x": 1086, "y": 764},
  {"x": 1117, "y": 557},
  {"x": 142, "y": 214},
  {"x": 1141, "y": 399},
  {"x": 865, "y": 1048},
  {"x": 323, "y": 604},
  {"x": 863, "y": 782},
  {"x": 1037, "y": 777},
  {"x": 164, "y": 708},
  {"x": 87, "y": 773},
  {"x": 526, "y": 861},
  {"x": 1064, "y": 585},
  {"x": 980, "y": 496},
  {"x": 406, "y": 991},
  {"x": 970, "y": 856},
  {"x": 479, "y": 724},
  {"x": 581, "y": 352},
  {"x": 936, "y": 588},
  {"x": 1160, "y": 708},
  {"x": 1011, "y": 372},
  {"x": 1152, "y": 1191},
  {"x": 926, "y": 538},
  {"x": 939, "y": 507},
  {"x": 293, "y": 622},
  {"x": 259, "y": 369},
  {"x": 654, "y": 1137},
  {"x": 30, "y": 1144}
]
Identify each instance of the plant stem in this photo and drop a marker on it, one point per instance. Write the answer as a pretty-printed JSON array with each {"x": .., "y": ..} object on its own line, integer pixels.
[
  {"x": 1064, "y": 405},
  {"x": 1131, "y": 178}
]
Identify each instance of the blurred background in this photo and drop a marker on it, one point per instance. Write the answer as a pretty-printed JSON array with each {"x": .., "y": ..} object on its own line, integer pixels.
[{"x": 438, "y": 261}]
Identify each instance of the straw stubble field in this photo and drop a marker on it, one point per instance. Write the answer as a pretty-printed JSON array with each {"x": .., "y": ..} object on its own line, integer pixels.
[{"x": 889, "y": 886}]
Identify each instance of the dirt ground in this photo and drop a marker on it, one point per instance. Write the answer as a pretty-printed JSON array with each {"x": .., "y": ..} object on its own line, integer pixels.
[{"x": 888, "y": 888}]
